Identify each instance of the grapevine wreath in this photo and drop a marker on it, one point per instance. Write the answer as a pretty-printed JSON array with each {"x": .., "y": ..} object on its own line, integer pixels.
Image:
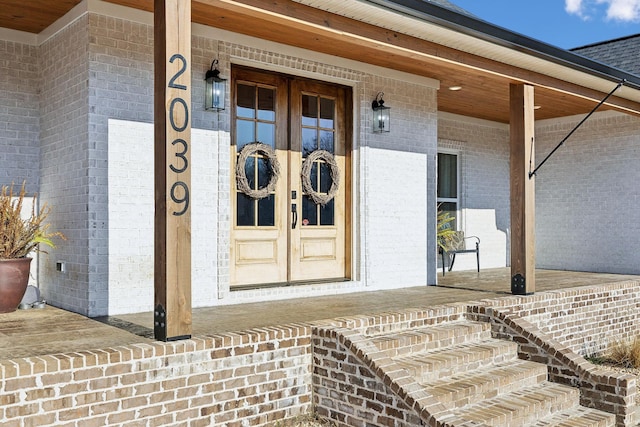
[
  {"x": 307, "y": 187},
  {"x": 242, "y": 182}
]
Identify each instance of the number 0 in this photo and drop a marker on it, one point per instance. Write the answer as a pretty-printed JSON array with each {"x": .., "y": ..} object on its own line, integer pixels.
[{"x": 175, "y": 127}]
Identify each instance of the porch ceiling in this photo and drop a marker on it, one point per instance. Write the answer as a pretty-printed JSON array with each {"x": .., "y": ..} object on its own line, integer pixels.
[
  {"x": 484, "y": 79},
  {"x": 33, "y": 16}
]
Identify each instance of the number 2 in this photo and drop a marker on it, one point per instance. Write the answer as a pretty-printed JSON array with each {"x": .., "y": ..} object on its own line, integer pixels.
[{"x": 172, "y": 82}]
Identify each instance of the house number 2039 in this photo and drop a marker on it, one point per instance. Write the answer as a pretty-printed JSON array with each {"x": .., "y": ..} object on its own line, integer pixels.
[{"x": 179, "y": 189}]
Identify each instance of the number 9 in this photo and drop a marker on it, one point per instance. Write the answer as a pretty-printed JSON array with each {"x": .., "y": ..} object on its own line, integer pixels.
[{"x": 184, "y": 199}]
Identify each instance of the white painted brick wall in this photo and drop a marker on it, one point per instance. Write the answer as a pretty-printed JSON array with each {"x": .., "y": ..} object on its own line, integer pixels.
[
  {"x": 104, "y": 68},
  {"x": 131, "y": 213},
  {"x": 587, "y": 194},
  {"x": 120, "y": 59},
  {"x": 484, "y": 200},
  {"x": 65, "y": 164},
  {"x": 121, "y": 87},
  {"x": 396, "y": 236},
  {"x": 396, "y": 200},
  {"x": 396, "y": 227},
  {"x": 19, "y": 115},
  {"x": 20, "y": 122},
  {"x": 102, "y": 100}
]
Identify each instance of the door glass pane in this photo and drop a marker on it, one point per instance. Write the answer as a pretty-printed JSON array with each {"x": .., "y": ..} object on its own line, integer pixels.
[
  {"x": 309, "y": 110},
  {"x": 309, "y": 212},
  {"x": 327, "y": 111},
  {"x": 325, "y": 178},
  {"x": 246, "y": 101},
  {"x": 267, "y": 134},
  {"x": 266, "y": 211},
  {"x": 447, "y": 175},
  {"x": 264, "y": 173},
  {"x": 326, "y": 213},
  {"x": 309, "y": 141},
  {"x": 266, "y": 104},
  {"x": 244, "y": 211},
  {"x": 245, "y": 133},
  {"x": 250, "y": 171},
  {"x": 314, "y": 177},
  {"x": 326, "y": 141},
  {"x": 255, "y": 121}
]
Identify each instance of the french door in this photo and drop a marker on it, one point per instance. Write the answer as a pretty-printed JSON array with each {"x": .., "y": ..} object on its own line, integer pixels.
[{"x": 290, "y": 180}]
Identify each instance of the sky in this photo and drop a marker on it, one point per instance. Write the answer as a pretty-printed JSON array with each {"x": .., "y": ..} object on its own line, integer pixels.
[{"x": 562, "y": 23}]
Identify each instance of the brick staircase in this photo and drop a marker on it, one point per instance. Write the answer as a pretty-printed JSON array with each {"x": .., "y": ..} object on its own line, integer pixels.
[{"x": 481, "y": 381}]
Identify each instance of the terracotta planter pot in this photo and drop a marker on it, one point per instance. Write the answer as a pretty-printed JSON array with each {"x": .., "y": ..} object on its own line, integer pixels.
[{"x": 14, "y": 278}]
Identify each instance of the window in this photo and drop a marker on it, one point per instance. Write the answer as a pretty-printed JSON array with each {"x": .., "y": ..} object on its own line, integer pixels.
[
  {"x": 448, "y": 194},
  {"x": 318, "y": 129},
  {"x": 255, "y": 121}
]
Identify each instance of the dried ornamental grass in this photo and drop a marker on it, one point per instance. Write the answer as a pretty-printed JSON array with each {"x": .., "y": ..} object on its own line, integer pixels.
[
  {"x": 621, "y": 357},
  {"x": 19, "y": 236},
  {"x": 625, "y": 354},
  {"x": 305, "y": 420}
]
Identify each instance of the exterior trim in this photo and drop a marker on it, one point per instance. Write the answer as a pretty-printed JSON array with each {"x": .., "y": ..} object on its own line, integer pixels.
[
  {"x": 464, "y": 24},
  {"x": 443, "y": 115}
]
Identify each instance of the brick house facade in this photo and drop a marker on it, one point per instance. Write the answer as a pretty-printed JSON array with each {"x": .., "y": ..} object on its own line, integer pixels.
[{"x": 77, "y": 114}]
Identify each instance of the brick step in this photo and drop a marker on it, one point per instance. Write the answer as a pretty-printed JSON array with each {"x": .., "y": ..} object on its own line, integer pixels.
[
  {"x": 578, "y": 417},
  {"x": 523, "y": 407},
  {"x": 432, "y": 337},
  {"x": 432, "y": 365},
  {"x": 472, "y": 387}
]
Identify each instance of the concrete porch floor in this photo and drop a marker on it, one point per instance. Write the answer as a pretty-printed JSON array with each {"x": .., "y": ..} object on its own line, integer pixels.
[{"x": 35, "y": 332}]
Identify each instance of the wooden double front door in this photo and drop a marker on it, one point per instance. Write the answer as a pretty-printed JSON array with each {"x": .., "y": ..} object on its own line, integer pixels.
[{"x": 290, "y": 179}]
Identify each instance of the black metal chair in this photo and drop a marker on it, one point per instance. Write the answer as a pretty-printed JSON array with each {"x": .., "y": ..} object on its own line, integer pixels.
[{"x": 455, "y": 243}]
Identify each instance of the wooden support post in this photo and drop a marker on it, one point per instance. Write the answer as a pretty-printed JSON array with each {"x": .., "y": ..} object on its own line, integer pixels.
[
  {"x": 523, "y": 257},
  {"x": 172, "y": 139}
]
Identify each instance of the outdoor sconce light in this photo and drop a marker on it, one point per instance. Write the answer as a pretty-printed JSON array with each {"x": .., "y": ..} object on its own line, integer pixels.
[
  {"x": 381, "y": 114},
  {"x": 215, "y": 89}
]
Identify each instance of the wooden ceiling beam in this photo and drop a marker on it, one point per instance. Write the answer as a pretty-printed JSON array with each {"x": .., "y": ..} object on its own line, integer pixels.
[{"x": 288, "y": 22}]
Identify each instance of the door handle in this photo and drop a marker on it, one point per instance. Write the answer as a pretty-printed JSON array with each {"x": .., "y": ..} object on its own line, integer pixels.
[{"x": 294, "y": 216}]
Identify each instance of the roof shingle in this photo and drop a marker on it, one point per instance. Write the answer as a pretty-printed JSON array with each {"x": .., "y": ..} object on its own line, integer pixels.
[{"x": 622, "y": 53}]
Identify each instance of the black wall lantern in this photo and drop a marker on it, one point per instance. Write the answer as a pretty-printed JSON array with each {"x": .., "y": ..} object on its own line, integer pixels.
[
  {"x": 215, "y": 89},
  {"x": 381, "y": 114}
]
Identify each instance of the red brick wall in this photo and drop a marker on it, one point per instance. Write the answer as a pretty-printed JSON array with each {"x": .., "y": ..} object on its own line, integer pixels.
[
  {"x": 247, "y": 379},
  {"x": 355, "y": 384},
  {"x": 560, "y": 328},
  {"x": 585, "y": 319},
  {"x": 265, "y": 375},
  {"x": 349, "y": 392}
]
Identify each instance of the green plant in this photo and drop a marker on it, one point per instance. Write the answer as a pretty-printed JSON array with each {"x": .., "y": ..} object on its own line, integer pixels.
[
  {"x": 445, "y": 229},
  {"x": 20, "y": 236}
]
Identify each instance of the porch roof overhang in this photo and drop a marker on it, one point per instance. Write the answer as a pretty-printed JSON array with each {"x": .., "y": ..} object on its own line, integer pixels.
[{"x": 412, "y": 36}]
